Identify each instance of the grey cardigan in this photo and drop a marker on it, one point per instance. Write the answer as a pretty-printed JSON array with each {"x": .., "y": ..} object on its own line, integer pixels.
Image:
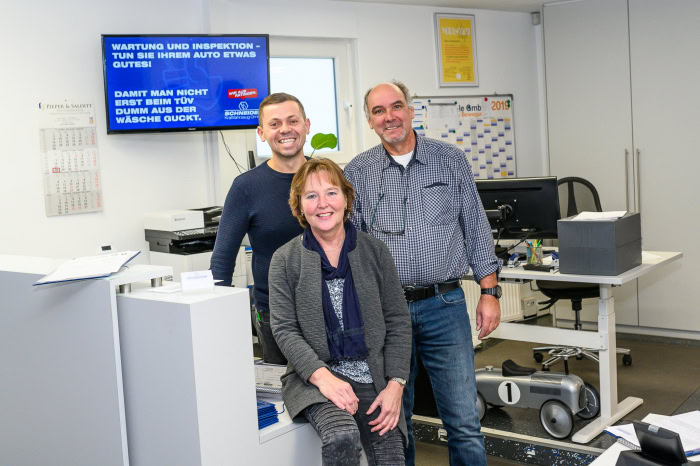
[{"x": 296, "y": 317}]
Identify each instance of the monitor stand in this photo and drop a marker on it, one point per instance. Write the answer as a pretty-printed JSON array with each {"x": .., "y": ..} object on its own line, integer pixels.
[{"x": 502, "y": 253}]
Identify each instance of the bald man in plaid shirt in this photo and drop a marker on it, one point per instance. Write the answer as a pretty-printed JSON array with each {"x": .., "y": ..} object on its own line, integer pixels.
[{"x": 418, "y": 196}]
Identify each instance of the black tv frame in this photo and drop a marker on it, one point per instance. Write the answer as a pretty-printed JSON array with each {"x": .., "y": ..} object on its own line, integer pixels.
[{"x": 180, "y": 129}]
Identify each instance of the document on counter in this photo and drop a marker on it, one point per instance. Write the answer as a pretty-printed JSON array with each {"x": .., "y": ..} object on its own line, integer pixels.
[
  {"x": 611, "y": 215},
  {"x": 86, "y": 268},
  {"x": 686, "y": 425}
]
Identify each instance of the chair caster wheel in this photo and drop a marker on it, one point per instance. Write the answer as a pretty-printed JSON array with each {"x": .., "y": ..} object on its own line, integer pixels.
[
  {"x": 579, "y": 357},
  {"x": 627, "y": 360},
  {"x": 538, "y": 357},
  {"x": 545, "y": 369}
]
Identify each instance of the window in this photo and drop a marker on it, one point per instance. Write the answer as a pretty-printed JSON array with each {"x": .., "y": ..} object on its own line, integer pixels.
[
  {"x": 319, "y": 73},
  {"x": 318, "y": 95}
]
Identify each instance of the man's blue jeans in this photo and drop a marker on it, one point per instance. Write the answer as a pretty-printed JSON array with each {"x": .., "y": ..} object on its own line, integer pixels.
[{"x": 442, "y": 339}]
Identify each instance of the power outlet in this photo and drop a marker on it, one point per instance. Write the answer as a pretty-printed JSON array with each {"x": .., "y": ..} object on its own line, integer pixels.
[{"x": 528, "y": 304}]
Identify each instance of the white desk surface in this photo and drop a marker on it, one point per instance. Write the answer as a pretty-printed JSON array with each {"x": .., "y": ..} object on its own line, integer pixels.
[
  {"x": 45, "y": 265},
  {"x": 650, "y": 260},
  {"x": 29, "y": 264},
  {"x": 610, "y": 456}
]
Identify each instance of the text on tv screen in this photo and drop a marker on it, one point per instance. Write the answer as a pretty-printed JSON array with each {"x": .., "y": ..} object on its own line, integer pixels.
[{"x": 184, "y": 82}]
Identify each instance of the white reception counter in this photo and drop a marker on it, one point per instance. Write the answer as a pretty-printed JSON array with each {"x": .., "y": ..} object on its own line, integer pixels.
[{"x": 89, "y": 376}]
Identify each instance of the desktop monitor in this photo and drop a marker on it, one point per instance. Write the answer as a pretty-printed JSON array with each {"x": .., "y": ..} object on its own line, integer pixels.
[
  {"x": 195, "y": 82},
  {"x": 520, "y": 208}
]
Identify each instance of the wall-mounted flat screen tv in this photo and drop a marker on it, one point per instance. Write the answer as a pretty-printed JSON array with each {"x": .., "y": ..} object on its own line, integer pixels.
[{"x": 156, "y": 83}]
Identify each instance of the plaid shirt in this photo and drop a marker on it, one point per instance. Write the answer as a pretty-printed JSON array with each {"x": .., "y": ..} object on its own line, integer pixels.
[{"x": 429, "y": 214}]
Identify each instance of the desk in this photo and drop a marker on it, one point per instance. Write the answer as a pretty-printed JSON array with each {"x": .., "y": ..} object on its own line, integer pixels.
[{"x": 604, "y": 339}]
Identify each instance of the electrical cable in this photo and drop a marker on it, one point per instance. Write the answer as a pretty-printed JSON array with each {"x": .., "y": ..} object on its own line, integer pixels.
[
  {"x": 498, "y": 239},
  {"x": 238, "y": 166}
]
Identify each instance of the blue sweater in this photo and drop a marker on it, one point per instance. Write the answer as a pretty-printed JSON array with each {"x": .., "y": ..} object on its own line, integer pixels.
[{"x": 257, "y": 204}]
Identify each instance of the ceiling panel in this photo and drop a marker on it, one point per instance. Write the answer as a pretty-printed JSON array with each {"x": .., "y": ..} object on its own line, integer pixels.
[{"x": 526, "y": 6}]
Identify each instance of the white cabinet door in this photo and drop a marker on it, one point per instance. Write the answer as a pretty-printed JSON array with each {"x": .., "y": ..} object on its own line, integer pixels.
[
  {"x": 588, "y": 94},
  {"x": 665, "y": 65},
  {"x": 589, "y": 109}
]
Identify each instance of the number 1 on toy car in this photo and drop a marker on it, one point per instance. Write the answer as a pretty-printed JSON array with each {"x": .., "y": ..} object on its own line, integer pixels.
[{"x": 509, "y": 392}]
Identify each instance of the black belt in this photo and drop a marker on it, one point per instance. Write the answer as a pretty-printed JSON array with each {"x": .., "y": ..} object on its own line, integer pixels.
[{"x": 416, "y": 293}]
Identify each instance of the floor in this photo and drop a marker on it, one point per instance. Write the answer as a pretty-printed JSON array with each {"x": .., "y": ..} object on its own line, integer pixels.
[
  {"x": 665, "y": 373},
  {"x": 428, "y": 454}
]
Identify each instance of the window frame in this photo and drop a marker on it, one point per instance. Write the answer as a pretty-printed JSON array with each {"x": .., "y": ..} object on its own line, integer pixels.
[{"x": 341, "y": 51}]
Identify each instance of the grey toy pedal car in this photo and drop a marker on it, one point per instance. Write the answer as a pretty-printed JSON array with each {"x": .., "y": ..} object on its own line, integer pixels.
[{"x": 557, "y": 395}]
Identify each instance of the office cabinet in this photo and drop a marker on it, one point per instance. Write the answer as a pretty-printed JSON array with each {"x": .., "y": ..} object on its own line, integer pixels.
[
  {"x": 189, "y": 384},
  {"x": 665, "y": 66},
  {"x": 622, "y": 113},
  {"x": 588, "y": 112}
]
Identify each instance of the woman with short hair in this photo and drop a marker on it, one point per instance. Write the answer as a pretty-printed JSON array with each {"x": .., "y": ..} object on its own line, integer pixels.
[{"x": 339, "y": 315}]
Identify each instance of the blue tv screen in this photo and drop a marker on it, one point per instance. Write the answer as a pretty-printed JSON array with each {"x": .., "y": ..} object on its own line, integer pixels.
[{"x": 156, "y": 83}]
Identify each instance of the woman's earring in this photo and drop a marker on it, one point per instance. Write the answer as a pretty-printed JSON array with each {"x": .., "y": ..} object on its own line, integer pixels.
[{"x": 302, "y": 214}]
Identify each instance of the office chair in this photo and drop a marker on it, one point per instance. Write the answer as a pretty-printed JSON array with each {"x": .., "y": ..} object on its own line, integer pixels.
[{"x": 575, "y": 195}]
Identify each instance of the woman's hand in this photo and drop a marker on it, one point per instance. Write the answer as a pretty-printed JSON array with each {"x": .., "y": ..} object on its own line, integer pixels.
[
  {"x": 337, "y": 391},
  {"x": 390, "y": 401}
]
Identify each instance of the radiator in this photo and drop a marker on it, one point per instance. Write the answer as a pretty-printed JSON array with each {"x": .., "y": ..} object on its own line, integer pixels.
[{"x": 511, "y": 304}]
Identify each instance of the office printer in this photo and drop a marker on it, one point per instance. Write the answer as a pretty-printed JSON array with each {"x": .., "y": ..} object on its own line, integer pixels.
[{"x": 182, "y": 232}]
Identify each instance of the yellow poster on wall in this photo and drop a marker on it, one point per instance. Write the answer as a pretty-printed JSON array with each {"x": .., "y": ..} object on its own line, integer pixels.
[{"x": 456, "y": 47}]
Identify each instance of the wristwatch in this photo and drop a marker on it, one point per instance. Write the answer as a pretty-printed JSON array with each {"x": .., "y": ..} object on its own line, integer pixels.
[
  {"x": 399, "y": 380},
  {"x": 495, "y": 291}
]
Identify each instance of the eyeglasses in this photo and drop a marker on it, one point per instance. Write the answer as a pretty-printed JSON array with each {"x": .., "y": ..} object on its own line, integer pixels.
[{"x": 376, "y": 206}]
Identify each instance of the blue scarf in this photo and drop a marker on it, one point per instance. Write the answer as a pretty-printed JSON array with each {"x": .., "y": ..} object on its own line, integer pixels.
[{"x": 348, "y": 342}]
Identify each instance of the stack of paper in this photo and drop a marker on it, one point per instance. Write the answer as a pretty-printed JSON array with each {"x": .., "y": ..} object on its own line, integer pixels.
[
  {"x": 84, "y": 268},
  {"x": 612, "y": 215},
  {"x": 686, "y": 425},
  {"x": 268, "y": 377},
  {"x": 267, "y": 414}
]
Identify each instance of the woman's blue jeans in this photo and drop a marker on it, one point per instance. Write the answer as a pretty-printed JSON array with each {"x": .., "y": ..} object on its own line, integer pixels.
[{"x": 442, "y": 339}]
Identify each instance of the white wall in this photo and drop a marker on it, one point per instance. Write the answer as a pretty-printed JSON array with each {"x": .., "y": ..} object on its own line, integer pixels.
[
  {"x": 398, "y": 41},
  {"x": 52, "y": 51}
]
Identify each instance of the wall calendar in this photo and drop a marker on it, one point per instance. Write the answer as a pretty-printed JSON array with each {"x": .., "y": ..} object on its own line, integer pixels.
[
  {"x": 69, "y": 158},
  {"x": 481, "y": 126}
]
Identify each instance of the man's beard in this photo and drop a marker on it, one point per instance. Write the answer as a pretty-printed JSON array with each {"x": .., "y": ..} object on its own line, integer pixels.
[{"x": 398, "y": 138}]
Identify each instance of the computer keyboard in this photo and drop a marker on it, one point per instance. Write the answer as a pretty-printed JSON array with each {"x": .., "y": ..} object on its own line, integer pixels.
[{"x": 539, "y": 268}]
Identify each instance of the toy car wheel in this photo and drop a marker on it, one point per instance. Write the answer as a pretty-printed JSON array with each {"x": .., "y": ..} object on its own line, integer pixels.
[
  {"x": 480, "y": 405},
  {"x": 556, "y": 418},
  {"x": 627, "y": 360},
  {"x": 592, "y": 407},
  {"x": 538, "y": 357}
]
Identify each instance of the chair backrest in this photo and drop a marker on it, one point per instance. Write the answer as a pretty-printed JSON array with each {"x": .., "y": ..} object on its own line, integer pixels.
[{"x": 577, "y": 195}]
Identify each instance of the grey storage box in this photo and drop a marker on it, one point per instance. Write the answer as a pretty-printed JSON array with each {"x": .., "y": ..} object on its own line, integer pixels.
[{"x": 600, "y": 247}]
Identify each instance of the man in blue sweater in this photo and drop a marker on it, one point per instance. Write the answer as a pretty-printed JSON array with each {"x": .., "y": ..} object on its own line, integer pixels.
[{"x": 257, "y": 204}]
